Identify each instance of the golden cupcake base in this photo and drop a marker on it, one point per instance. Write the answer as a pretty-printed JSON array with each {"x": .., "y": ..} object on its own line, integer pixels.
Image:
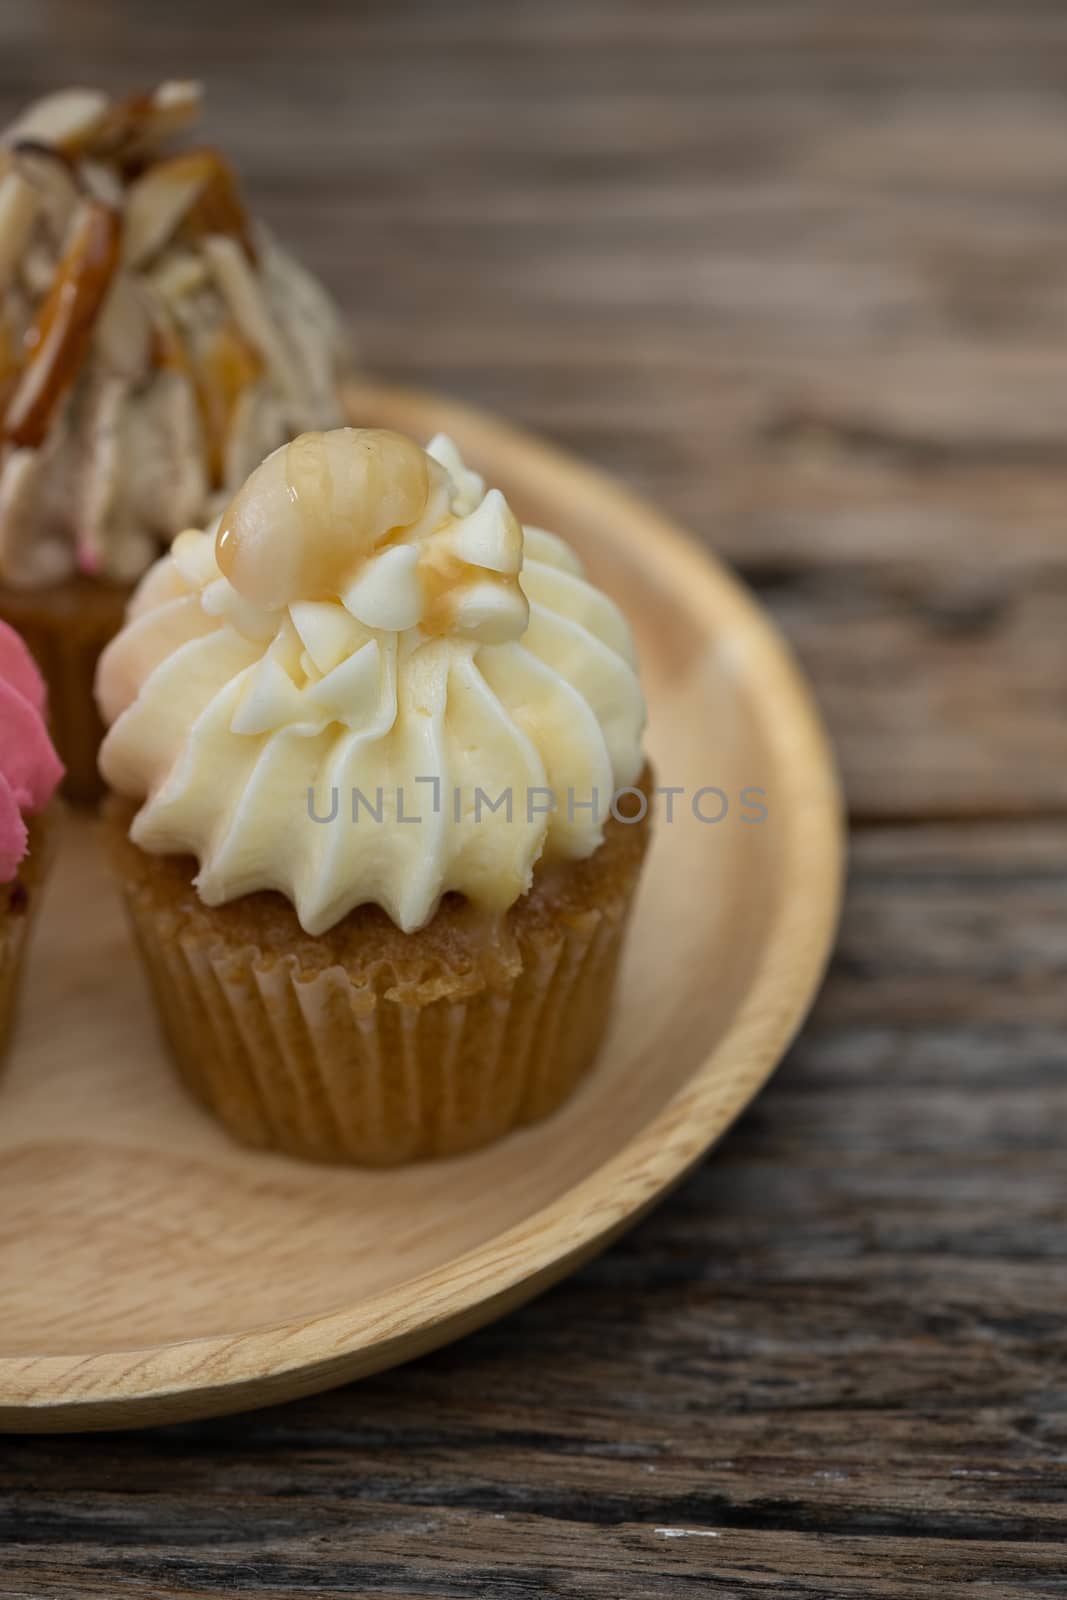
[{"x": 372, "y": 1046}]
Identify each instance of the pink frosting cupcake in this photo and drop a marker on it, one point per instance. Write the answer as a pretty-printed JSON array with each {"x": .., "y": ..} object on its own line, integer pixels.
[{"x": 30, "y": 772}]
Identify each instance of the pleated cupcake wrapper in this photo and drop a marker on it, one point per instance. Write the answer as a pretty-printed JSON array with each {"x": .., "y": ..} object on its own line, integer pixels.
[{"x": 321, "y": 1068}]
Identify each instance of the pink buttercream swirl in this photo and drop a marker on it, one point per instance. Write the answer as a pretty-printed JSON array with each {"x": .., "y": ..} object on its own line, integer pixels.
[{"x": 30, "y": 770}]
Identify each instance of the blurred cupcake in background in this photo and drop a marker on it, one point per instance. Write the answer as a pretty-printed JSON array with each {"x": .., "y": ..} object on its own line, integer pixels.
[
  {"x": 30, "y": 771},
  {"x": 155, "y": 344}
]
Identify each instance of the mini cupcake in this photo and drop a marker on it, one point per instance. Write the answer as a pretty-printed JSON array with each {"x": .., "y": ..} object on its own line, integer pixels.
[
  {"x": 30, "y": 770},
  {"x": 369, "y": 814},
  {"x": 155, "y": 344}
]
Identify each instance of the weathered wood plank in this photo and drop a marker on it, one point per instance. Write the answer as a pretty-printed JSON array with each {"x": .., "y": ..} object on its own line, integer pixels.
[
  {"x": 537, "y": 1556},
  {"x": 839, "y": 1348},
  {"x": 796, "y": 270}
]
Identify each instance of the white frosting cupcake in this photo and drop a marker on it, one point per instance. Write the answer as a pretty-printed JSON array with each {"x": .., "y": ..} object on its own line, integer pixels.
[{"x": 369, "y": 627}]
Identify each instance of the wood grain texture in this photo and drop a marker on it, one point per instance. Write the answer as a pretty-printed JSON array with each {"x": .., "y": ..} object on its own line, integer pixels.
[
  {"x": 828, "y": 1365},
  {"x": 795, "y": 268},
  {"x": 209, "y": 1277}
]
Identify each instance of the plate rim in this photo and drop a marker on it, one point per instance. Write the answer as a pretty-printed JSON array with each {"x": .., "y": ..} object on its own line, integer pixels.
[{"x": 215, "y": 1374}]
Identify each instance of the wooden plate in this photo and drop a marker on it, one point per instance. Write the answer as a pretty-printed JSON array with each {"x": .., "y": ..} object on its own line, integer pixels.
[{"x": 152, "y": 1270}]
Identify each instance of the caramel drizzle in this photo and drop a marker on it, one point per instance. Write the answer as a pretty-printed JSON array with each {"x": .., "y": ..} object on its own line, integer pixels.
[
  {"x": 117, "y": 126},
  {"x": 219, "y": 208},
  {"x": 122, "y": 134},
  {"x": 227, "y": 368},
  {"x": 57, "y": 340}
]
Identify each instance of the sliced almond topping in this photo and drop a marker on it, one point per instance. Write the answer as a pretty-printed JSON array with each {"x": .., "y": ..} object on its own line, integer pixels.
[
  {"x": 151, "y": 119},
  {"x": 224, "y": 370},
  {"x": 219, "y": 208},
  {"x": 197, "y": 187},
  {"x": 54, "y": 181},
  {"x": 18, "y": 207},
  {"x": 133, "y": 129},
  {"x": 124, "y": 338},
  {"x": 167, "y": 351},
  {"x": 37, "y": 269},
  {"x": 242, "y": 290},
  {"x": 79, "y": 122},
  {"x": 157, "y": 201},
  {"x": 98, "y": 478},
  {"x": 102, "y": 182},
  {"x": 66, "y": 120},
  {"x": 177, "y": 276},
  {"x": 58, "y": 337},
  {"x": 176, "y": 103}
]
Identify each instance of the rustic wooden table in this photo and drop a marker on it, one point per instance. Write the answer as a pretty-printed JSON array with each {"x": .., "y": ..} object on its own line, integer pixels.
[{"x": 798, "y": 272}]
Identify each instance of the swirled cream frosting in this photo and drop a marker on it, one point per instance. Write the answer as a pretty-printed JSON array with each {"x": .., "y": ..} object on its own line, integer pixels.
[
  {"x": 30, "y": 770},
  {"x": 155, "y": 343},
  {"x": 370, "y": 684}
]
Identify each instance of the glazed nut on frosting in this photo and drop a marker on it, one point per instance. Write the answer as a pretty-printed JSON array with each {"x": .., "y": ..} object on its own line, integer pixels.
[{"x": 366, "y": 617}]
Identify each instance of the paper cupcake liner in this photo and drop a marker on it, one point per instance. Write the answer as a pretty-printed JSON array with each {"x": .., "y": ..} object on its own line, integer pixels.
[
  {"x": 369, "y": 1045},
  {"x": 316, "y": 1067},
  {"x": 66, "y": 626}
]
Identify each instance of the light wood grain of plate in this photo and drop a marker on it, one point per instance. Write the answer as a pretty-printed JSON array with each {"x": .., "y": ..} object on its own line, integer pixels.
[{"x": 152, "y": 1270}]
